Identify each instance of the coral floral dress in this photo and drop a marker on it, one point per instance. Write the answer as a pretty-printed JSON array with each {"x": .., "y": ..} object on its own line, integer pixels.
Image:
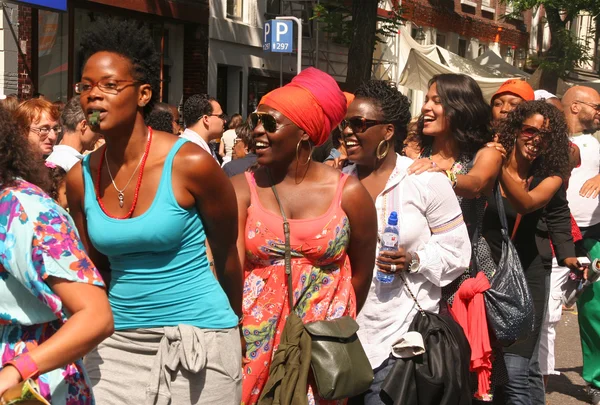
[{"x": 321, "y": 278}]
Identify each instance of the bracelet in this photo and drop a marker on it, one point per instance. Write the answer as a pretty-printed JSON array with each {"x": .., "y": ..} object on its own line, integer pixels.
[
  {"x": 24, "y": 365},
  {"x": 452, "y": 177}
]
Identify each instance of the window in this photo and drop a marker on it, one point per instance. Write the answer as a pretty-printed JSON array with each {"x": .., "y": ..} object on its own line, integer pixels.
[
  {"x": 482, "y": 49},
  {"x": 487, "y": 3},
  {"x": 440, "y": 40},
  {"x": 53, "y": 55},
  {"x": 234, "y": 9},
  {"x": 274, "y": 7},
  {"x": 462, "y": 47}
]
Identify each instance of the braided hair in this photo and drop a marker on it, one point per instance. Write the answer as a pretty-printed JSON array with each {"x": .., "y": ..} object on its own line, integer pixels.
[{"x": 394, "y": 106}]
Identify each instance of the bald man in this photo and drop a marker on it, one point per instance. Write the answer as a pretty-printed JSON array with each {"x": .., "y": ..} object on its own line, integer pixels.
[{"x": 582, "y": 111}]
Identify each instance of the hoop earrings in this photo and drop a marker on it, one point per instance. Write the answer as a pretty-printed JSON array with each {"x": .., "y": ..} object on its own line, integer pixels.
[
  {"x": 298, "y": 154},
  {"x": 380, "y": 155}
]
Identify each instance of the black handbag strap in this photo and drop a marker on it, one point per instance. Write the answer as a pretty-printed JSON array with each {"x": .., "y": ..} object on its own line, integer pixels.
[{"x": 288, "y": 249}]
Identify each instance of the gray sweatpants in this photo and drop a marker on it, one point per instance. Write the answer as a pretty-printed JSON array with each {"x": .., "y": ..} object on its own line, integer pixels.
[{"x": 180, "y": 365}]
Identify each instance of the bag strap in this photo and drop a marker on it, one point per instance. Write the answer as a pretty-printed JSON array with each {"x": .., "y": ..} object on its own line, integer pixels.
[
  {"x": 502, "y": 214},
  {"x": 411, "y": 294},
  {"x": 288, "y": 249}
]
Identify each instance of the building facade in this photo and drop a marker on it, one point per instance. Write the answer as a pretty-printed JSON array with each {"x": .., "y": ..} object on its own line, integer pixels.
[{"x": 41, "y": 44}]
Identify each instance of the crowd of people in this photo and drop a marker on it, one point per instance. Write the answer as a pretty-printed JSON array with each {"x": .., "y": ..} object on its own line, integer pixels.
[{"x": 142, "y": 261}]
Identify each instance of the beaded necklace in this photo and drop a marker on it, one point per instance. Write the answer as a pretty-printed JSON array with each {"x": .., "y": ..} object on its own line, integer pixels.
[{"x": 137, "y": 186}]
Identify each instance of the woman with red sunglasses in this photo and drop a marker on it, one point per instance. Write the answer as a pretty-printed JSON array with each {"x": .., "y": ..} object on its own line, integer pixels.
[{"x": 534, "y": 136}]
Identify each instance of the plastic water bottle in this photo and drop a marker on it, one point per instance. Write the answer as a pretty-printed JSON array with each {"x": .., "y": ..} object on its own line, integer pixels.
[
  {"x": 571, "y": 296},
  {"x": 389, "y": 242}
]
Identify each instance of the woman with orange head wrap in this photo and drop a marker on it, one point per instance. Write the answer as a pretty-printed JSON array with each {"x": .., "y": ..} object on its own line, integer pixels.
[{"x": 332, "y": 223}]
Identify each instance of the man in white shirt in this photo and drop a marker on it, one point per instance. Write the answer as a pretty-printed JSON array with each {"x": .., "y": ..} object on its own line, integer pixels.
[
  {"x": 77, "y": 137},
  {"x": 204, "y": 120},
  {"x": 582, "y": 112}
]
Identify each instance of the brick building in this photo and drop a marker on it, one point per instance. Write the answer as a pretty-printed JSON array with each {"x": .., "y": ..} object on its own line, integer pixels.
[
  {"x": 470, "y": 27},
  {"x": 41, "y": 44}
]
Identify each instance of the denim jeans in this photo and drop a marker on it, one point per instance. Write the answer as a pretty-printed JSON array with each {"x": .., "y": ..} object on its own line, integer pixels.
[
  {"x": 371, "y": 397},
  {"x": 516, "y": 391}
]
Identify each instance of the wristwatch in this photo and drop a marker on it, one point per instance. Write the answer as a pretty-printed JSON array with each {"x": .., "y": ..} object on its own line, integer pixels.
[{"x": 414, "y": 264}]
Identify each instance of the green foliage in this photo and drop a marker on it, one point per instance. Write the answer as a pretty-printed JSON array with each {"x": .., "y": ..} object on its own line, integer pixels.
[
  {"x": 335, "y": 17},
  {"x": 566, "y": 51}
]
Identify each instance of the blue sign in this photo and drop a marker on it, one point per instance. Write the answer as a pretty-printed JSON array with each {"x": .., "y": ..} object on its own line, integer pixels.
[
  {"x": 60, "y": 5},
  {"x": 278, "y": 36}
]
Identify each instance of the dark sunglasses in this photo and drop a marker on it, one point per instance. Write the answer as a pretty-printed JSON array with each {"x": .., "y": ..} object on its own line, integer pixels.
[
  {"x": 537, "y": 134},
  {"x": 269, "y": 122},
  {"x": 359, "y": 124}
]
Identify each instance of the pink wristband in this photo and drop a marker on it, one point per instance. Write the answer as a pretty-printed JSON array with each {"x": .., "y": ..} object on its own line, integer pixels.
[{"x": 24, "y": 365}]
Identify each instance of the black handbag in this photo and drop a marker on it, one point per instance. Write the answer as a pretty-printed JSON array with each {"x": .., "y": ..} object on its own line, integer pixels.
[
  {"x": 340, "y": 366},
  {"x": 508, "y": 302},
  {"x": 441, "y": 375}
]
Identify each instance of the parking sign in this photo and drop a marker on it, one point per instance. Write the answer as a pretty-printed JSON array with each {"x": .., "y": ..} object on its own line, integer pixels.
[{"x": 278, "y": 36}]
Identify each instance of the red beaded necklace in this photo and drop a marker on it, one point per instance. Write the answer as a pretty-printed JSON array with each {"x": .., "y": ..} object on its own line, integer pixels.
[{"x": 137, "y": 186}]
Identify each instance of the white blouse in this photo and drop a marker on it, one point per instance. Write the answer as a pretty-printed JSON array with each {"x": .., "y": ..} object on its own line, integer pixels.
[{"x": 431, "y": 224}]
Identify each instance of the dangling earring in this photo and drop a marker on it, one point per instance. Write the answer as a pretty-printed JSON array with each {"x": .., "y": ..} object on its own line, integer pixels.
[
  {"x": 380, "y": 155},
  {"x": 298, "y": 154}
]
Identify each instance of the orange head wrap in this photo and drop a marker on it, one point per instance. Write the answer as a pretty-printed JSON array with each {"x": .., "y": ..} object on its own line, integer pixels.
[{"x": 312, "y": 100}]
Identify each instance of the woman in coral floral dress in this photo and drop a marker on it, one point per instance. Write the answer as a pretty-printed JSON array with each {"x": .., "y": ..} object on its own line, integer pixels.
[{"x": 332, "y": 224}]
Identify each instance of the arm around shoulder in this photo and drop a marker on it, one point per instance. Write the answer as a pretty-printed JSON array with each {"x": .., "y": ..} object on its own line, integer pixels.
[{"x": 482, "y": 176}]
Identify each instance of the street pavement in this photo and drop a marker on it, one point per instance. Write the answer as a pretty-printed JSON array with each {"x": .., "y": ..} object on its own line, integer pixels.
[{"x": 568, "y": 388}]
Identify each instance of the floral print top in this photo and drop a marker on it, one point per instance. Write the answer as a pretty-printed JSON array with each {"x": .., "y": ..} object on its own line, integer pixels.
[
  {"x": 321, "y": 278},
  {"x": 38, "y": 239}
]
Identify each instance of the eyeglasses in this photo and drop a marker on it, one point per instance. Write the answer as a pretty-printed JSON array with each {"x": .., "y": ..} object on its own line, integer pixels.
[
  {"x": 108, "y": 86},
  {"x": 269, "y": 122},
  {"x": 222, "y": 116},
  {"x": 538, "y": 135},
  {"x": 594, "y": 106},
  {"x": 359, "y": 124},
  {"x": 43, "y": 132}
]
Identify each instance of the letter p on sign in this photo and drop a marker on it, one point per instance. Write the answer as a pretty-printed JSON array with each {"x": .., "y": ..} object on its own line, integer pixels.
[{"x": 278, "y": 36}]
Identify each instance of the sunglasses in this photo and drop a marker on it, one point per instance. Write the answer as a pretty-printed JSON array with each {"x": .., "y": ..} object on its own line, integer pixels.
[
  {"x": 359, "y": 124},
  {"x": 538, "y": 135},
  {"x": 269, "y": 122}
]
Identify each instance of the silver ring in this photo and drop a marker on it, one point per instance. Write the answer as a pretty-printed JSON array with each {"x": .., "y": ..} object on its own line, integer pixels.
[{"x": 393, "y": 268}]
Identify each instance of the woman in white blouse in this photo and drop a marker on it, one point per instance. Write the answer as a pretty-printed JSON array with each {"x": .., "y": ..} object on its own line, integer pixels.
[{"x": 434, "y": 243}]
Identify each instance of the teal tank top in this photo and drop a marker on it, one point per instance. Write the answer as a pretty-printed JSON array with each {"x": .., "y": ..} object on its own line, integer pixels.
[{"x": 160, "y": 272}]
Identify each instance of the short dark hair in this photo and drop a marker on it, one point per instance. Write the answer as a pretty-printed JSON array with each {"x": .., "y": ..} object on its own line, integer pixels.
[
  {"x": 72, "y": 114},
  {"x": 132, "y": 40},
  {"x": 554, "y": 161},
  {"x": 464, "y": 106},
  {"x": 196, "y": 107},
  {"x": 245, "y": 134},
  {"x": 394, "y": 106},
  {"x": 160, "y": 120}
]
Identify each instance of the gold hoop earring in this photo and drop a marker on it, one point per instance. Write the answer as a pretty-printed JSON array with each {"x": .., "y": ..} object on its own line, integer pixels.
[
  {"x": 380, "y": 155},
  {"x": 298, "y": 154}
]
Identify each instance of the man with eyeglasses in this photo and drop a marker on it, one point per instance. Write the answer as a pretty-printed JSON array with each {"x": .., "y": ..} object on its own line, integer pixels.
[
  {"x": 204, "y": 120},
  {"x": 78, "y": 137},
  {"x": 582, "y": 112}
]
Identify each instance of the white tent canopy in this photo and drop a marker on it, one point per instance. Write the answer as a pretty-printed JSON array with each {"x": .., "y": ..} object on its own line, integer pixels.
[
  {"x": 419, "y": 63},
  {"x": 494, "y": 63}
]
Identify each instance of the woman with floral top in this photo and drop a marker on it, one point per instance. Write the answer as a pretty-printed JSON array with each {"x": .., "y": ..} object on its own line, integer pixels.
[
  {"x": 53, "y": 307},
  {"x": 454, "y": 127}
]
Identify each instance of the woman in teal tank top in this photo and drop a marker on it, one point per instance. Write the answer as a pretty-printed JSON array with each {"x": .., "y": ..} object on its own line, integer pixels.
[{"x": 145, "y": 204}]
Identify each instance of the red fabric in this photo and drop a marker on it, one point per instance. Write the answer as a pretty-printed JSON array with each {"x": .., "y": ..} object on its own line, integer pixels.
[
  {"x": 469, "y": 311},
  {"x": 313, "y": 101}
]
